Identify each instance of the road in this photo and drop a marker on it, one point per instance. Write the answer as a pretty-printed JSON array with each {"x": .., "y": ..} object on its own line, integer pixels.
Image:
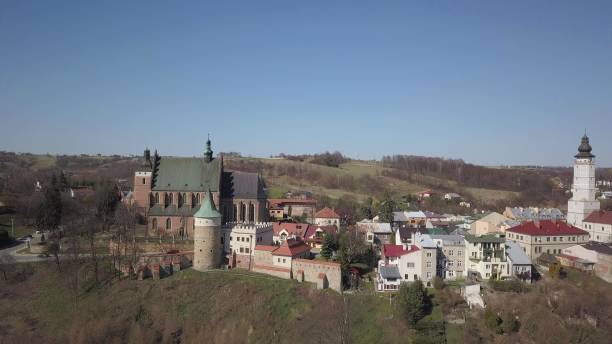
[{"x": 22, "y": 258}]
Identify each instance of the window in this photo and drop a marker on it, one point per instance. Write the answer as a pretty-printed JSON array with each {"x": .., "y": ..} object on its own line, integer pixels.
[
  {"x": 415, "y": 277},
  {"x": 554, "y": 238},
  {"x": 428, "y": 264},
  {"x": 405, "y": 276},
  {"x": 251, "y": 212},
  {"x": 548, "y": 239},
  {"x": 410, "y": 265},
  {"x": 428, "y": 254},
  {"x": 156, "y": 198},
  {"x": 242, "y": 250},
  {"x": 428, "y": 274},
  {"x": 451, "y": 263},
  {"x": 459, "y": 252},
  {"x": 144, "y": 181},
  {"x": 450, "y": 253},
  {"x": 560, "y": 238},
  {"x": 283, "y": 260},
  {"x": 278, "y": 260},
  {"x": 247, "y": 239},
  {"x": 459, "y": 263},
  {"x": 154, "y": 224},
  {"x": 246, "y": 250},
  {"x": 168, "y": 223}
]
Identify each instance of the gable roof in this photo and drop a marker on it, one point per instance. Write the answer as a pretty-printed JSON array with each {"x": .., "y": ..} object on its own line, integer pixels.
[
  {"x": 186, "y": 174},
  {"x": 374, "y": 227},
  {"x": 389, "y": 271},
  {"x": 406, "y": 233},
  {"x": 297, "y": 229},
  {"x": 291, "y": 248},
  {"x": 598, "y": 247},
  {"x": 242, "y": 185},
  {"x": 546, "y": 228},
  {"x": 601, "y": 216},
  {"x": 516, "y": 254},
  {"x": 494, "y": 218},
  {"x": 483, "y": 238},
  {"x": 390, "y": 250},
  {"x": 311, "y": 230},
  {"x": 327, "y": 213}
]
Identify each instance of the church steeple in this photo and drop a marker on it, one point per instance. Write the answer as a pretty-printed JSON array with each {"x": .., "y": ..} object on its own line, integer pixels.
[
  {"x": 208, "y": 153},
  {"x": 584, "y": 150}
]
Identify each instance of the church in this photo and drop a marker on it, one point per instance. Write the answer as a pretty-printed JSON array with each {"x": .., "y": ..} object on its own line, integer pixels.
[{"x": 169, "y": 190}]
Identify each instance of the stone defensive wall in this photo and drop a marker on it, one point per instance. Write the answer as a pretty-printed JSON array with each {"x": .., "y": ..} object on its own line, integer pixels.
[
  {"x": 323, "y": 274},
  {"x": 273, "y": 271}
]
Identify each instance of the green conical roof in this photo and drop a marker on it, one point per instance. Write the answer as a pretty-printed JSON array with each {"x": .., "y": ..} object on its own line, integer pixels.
[{"x": 207, "y": 209}]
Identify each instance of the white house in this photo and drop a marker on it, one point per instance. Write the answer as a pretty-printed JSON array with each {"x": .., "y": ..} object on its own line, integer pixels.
[
  {"x": 327, "y": 217},
  {"x": 375, "y": 232},
  {"x": 411, "y": 262},
  {"x": 599, "y": 226},
  {"x": 485, "y": 256}
]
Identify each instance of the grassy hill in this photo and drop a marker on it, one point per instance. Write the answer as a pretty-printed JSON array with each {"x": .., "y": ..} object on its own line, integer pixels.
[
  {"x": 356, "y": 169},
  {"x": 188, "y": 307}
]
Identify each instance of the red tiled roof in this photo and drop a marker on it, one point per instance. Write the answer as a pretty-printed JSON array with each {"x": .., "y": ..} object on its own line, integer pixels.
[
  {"x": 546, "y": 228},
  {"x": 603, "y": 217},
  {"x": 291, "y": 248},
  {"x": 313, "y": 229},
  {"x": 327, "y": 213},
  {"x": 390, "y": 250},
  {"x": 297, "y": 229},
  {"x": 268, "y": 248}
]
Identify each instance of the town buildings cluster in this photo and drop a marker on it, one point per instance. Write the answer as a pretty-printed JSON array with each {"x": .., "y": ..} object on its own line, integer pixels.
[{"x": 233, "y": 225}]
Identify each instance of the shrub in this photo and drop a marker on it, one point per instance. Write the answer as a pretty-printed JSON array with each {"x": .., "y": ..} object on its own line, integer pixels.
[
  {"x": 438, "y": 283},
  {"x": 508, "y": 286}
]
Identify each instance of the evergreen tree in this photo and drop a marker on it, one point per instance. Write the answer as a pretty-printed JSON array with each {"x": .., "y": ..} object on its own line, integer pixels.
[
  {"x": 49, "y": 214},
  {"x": 328, "y": 247},
  {"x": 386, "y": 209},
  {"x": 413, "y": 301},
  {"x": 107, "y": 199},
  {"x": 64, "y": 184}
]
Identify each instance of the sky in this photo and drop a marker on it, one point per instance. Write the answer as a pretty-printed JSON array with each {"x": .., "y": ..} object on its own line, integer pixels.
[{"x": 491, "y": 82}]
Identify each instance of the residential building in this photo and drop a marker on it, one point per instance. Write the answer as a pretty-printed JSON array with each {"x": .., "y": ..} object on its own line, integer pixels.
[
  {"x": 450, "y": 256},
  {"x": 407, "y": 235},
  {"x": 282, "y": 231},
  {"x": 519, "y": 264},
  {"x": 583, "y": 201},
  {"x": 412, "y": 219},
  {"x": 239, "y": 241},
  {"x": 291, "y": 261},
  {"x": 452, "y": 196},
  {"x": 546, "y": 236},
  {"x": 378, "y": 233},
  {"x": 327, "y": 217},
  {"x": 599, "y": 226},
  {"x": 411, "y": 262},
  {"x": 597, "y": 253},
  {"x": 491, "y": 223},
  {"x": 533, "y": 213},
  {"x": 315, "y": 235},
  {"x": 485, "y": 257},
  {"x": 283, "y": 208}
]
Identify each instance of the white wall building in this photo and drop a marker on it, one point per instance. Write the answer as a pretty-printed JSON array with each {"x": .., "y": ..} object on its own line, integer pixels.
[
  {"x": 599, "y": 226},
  {"x": 583, "y": 201},
  {"x": 485, "y": 256}
]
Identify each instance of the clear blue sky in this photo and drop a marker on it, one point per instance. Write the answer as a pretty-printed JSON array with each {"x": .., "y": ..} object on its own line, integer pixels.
[{"x": 513, "y": 82}]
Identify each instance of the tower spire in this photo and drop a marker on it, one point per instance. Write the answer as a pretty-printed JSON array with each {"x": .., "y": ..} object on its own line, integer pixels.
[
  {"x": 584, "y": 150},
  {"x": 208, "y": 153}
]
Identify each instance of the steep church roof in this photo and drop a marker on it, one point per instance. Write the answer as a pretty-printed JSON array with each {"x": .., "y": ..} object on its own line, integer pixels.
[
  {"x": 242, "y": 185},
  {"x": 187, "y": 174}
]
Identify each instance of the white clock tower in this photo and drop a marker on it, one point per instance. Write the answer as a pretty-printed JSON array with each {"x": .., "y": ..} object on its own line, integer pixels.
[{"x": 583, "y": 201}]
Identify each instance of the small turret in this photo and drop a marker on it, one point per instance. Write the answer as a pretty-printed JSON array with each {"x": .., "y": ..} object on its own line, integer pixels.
[{"x": 207, "y": 236}]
